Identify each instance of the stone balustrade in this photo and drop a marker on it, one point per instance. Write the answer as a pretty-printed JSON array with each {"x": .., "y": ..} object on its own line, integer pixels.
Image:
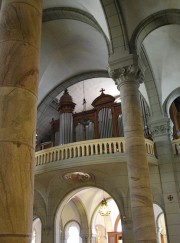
[
  {"x": 86, "y": 148},
  {"x": 176, "y": 146}
]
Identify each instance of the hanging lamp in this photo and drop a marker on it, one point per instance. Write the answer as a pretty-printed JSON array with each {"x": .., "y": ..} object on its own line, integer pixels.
[
  {"x": 104, "y": 209},
  {"x": 84, "y": 121}
]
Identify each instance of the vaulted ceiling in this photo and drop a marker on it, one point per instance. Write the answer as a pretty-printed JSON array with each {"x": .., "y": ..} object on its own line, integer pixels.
[{"x": 79, "y": 37}]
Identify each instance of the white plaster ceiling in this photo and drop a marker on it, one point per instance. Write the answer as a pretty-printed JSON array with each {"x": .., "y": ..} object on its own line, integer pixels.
[
  {"x": 91, "y": 6},
  {"x": 91, "y": 198},
  {"x": 163, "y": 50},
  {"x": 136, "y": 11},
  {"x": 69, "y": 48},
  {"x": 92, "y": 89}
]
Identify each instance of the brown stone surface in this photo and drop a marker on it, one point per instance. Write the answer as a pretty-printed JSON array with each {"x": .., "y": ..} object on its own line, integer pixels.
[{"x": 19, "y": 46}]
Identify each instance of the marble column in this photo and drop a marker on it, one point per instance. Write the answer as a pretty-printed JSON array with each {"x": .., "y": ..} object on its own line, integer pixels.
[
  {"x": 20, "y": 25},
  {"x": 138, "y": 173},
  {"x": 160, "y": 130}
]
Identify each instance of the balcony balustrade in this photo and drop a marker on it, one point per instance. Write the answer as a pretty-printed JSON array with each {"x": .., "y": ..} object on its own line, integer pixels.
[{"x": 86, "y": 148}]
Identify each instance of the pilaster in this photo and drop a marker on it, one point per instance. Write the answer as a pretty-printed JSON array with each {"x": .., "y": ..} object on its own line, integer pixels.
[{"x": 161, "y": 132}]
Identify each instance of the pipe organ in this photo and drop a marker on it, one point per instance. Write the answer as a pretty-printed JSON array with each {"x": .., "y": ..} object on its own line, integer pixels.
[
  {"x": 175, "y": 117},
  {"x": 103, "y": 121},
  {"x": 66, "y": 107},
  {"x": 145, "y": 114}
]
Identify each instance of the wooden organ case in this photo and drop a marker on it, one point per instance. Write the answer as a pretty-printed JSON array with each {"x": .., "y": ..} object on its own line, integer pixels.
[{"x": 103, "y": 121}]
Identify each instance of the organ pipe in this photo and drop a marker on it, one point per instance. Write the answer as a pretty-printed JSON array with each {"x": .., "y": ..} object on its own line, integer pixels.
[
  {"x": 105, "y": 123},
  {"x": 66, "y": 107}
]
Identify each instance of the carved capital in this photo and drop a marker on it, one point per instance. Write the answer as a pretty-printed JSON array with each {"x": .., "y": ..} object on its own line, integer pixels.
[
  {"x": 160, "y": 128},
  {"x": 130, "y": 73}
]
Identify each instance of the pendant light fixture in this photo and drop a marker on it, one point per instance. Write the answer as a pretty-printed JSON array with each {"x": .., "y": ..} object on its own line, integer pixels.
[
  {"x": 84, "y": 121},
  {"x": 104, "y": 209}
]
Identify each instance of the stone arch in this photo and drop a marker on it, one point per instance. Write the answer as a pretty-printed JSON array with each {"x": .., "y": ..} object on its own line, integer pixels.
[
  {"x": 167, "y": 103},
  {"x": 116, "y": 26},
  {"x": 150, "y": 84},
  {"x": 39, "y": 207},
  {"x": 73, "y": 80},
  {"x": 166, "y": 108},
  {"x": 56, "y": 215},
  {"x": 83, "y": 216},
  {"x": 40, "y": 211},
  {"x": 159, "y": 213},
  {"x": 95, "y": 224},
  {"x": 152, "y": 22}
]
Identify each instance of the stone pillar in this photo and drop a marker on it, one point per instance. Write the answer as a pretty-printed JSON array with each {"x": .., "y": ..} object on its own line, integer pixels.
[
  {"x": 138, "y": 172},
  {"x": 127, "y": 230},
  {"x": 160, "y": 130},
  {"x": 20, "y": 26},
  {"x": 85, "y": 238}
]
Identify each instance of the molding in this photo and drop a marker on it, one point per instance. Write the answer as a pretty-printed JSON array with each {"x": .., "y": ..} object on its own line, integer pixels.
[{"x": 91, "y": 160}]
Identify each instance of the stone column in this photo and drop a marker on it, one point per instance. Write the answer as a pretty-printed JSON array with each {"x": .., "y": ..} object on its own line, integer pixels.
[
  {"x": 85, "y": 238},
  {"x": 20, "y": 25},
  {"x": 138, "y": 172},
  {"x": 127, "y": 230},
  {"x": 160, "y": 130}
]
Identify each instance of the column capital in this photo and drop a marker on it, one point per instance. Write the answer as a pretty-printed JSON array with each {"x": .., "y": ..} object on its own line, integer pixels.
[
  {"x": 122, "y": 75},
  {"x": 160, "y": 127}
]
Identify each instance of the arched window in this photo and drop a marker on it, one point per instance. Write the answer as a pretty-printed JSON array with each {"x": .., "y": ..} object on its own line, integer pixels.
[
  {"x": 160, "y": 224},
  {"x": 33, "y": 236},
  {"x": 72, "y": 233},
  {"x": 36, "y": 232}
]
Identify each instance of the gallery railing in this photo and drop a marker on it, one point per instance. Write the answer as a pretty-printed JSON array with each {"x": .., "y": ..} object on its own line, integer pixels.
[{"x": 86, "y": 148}]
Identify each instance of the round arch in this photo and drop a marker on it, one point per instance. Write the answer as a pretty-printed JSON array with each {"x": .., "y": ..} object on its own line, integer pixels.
[
  {"x": 154, "y": 21},
  {"x": 167, "y": 103},
  {"x": 59, "y": 228},
  {"x": 160, "y": 222},
  {"x": 101, "y": 225}
]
